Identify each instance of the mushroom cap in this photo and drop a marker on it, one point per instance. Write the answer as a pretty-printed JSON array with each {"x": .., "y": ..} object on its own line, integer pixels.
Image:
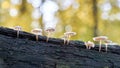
[
  {"x": 100, "y": 38},
  {"x": 37, "y": 31},
  {"x": 89, "y": 43},
  {"x": 108, "y": 41},
  {"x": 50, "y": 29},
  {"x": 70, "y": 33},
  {"x": 18, "y": 28}
]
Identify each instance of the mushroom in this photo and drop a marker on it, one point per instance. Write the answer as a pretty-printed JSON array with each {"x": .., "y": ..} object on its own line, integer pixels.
[
  {"x": 18, "y": 29},
  {"x": 100, "y": 39},
  {"x": 68, "y": 35},
  {"x": 89, "y": 44},
  {"x": 106, "y": 44},
  {"x": 37, "y": 32},
  {"x": 49, "y": 31}
]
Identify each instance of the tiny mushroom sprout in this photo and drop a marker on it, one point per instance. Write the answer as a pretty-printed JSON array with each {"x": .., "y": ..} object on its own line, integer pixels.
[
  {"x": 106, "y": 43},
  {"x": 100, "y": 39},
  {"x": 49, "y": 31},
  {"x": 37, "y": 32},
  {"x": 18, "y": 29},
  {"x": 68, "y": 35},
  {"x": 89, "y": 44}
]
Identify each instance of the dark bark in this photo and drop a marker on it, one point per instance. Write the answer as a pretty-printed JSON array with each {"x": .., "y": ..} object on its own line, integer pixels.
[{"x": 25, "y": 52}]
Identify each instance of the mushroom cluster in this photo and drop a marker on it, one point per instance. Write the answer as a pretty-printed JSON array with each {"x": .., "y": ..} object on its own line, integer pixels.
[
  {"x": 101, "y": 39},
  {"x": 64, "y": 38},
  {"x": 67, "y": 36},
  {"x": 89, "y": 44}
]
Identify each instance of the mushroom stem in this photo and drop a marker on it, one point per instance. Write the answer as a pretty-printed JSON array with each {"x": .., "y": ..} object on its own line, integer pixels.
[
  {"x": 18, "y": 33},
  {"x": 100, "y": 46},
  {"x": 48, "y": 37},
  {"x": 106, "y": 47},
  {"x": 36, "y": 37},
  {"x": 86, "y": 45},
  {"x": 89, "y": 47},
  {"x": 68, "y": 40},
  {"x": 64, "y": 41}
]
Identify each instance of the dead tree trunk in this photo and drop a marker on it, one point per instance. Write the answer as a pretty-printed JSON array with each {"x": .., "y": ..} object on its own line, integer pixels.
[{"x": 26, "y": 52}]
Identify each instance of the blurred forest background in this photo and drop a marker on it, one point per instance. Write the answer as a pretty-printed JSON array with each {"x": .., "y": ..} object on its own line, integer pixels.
[{"x": 88, "y": 18}]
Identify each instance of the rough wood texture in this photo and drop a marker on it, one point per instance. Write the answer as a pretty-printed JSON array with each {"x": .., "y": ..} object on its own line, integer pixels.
[{"x": 25, "y": 52}]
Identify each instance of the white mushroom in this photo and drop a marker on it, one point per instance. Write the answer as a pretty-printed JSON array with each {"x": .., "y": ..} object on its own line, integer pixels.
[
  {"x": 106, "y": 44},
  {"x": 18, "y": 29},
  {"x": 89, "y": 44},
  {"x": 37, "y": 32},
  {"x": 49, "y": 31},
  {"x": 68, "y": 35},
  {"x": 100, "y": 39}
]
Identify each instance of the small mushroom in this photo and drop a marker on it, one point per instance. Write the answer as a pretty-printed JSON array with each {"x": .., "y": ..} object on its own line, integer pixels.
[
  {"x": 49, "y": 31},
  {"x": 37, "y": 32},
  {"x": 68, "y": 35},
  {"x": 89, "y": 44},
  {"x": 106, "y": 44},
  {"x": 100, "y": 39},
  {"x": 18, "y": 29}
]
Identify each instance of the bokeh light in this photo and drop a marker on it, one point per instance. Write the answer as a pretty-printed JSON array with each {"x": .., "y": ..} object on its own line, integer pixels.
[{"x": 13, "y": 12}]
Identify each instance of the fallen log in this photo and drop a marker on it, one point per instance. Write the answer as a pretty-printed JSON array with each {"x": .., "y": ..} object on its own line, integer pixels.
[{"x": 26, "y": 52}]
